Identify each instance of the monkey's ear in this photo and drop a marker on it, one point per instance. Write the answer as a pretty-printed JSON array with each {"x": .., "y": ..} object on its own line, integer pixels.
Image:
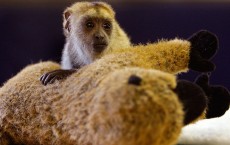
[
  {"x": 66, "y": 23},
  {"x": 67, "y": 15}
]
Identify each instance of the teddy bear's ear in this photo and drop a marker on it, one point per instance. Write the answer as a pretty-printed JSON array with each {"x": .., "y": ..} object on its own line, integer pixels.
[
  {"x": 193, "y": 99},
  {"x": 218, "y": 97}
]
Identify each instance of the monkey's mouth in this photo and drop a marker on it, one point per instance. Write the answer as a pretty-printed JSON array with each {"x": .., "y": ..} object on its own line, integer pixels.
[{"x": 99, "y": 47}]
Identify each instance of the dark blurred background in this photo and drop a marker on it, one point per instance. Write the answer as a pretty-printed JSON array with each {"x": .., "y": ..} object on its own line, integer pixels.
[{"x": 31, "y": 30}]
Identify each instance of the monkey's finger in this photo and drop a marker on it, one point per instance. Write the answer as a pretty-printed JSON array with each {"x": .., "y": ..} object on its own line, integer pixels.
[
  {"x": 53, "y": 80},
  {"x": 48, "y": 78},
  {"x": 42, "y": 77},
  {"x": 51, "y": 75}
]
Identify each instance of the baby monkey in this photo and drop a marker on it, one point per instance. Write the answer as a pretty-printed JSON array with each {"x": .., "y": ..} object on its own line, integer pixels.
[{"x": 90, "y": 29}]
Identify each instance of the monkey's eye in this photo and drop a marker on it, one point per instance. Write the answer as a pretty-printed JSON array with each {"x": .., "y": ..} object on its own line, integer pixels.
[
  {"x": 89, "y": 24},
  {"x": 107, "y": 25}
]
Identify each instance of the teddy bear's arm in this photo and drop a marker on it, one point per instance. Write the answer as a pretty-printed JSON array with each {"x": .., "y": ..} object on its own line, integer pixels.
[
  {"x": 172, "y": 56},
  {"x": 169, "y": 56}
]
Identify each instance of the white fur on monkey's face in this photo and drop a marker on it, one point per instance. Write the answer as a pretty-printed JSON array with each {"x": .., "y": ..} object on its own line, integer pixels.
[{"x": 92, "y": 30}]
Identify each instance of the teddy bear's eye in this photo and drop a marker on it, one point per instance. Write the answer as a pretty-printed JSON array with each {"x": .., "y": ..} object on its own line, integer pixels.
[{"x": 134, "y": 80}]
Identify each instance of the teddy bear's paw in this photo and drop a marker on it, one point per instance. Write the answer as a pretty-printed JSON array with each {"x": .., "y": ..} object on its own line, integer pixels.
[
  {"x": 204, "y": 46},
  {"x": 218, "y": 97},
  {"x": 193, "y": 99},
  {"x": 205, "y": 42}
]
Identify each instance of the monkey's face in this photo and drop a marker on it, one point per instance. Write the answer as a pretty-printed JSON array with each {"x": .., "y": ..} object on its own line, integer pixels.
[
  {"x": 93, "y": 33},
  {"x": 90, "y": 26},
  {"x": 97, "y": 32}
]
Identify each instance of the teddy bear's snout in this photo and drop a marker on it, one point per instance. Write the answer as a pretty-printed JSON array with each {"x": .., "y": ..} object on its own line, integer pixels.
[{"x": 134, "y": 80}]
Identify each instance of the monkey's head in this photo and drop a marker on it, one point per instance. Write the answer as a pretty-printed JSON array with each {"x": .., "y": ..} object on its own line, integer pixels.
[{"x": 90, "y": 24}]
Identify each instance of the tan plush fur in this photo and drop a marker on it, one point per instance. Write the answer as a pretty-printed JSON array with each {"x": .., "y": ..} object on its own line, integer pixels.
[{"x": 96, "y": 105}]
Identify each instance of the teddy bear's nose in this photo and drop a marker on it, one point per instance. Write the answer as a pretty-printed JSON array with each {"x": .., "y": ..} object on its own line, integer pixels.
[{"x": 134, "y": 80}]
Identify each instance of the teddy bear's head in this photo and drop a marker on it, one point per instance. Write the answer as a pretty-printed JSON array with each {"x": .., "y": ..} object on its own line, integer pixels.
[{"x": 136, "y": 103}]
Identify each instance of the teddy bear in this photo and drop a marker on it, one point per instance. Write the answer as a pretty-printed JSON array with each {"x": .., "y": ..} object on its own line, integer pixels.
[
  {"x": 130, "y": 96},
  {"x": 215, "y": 129}
]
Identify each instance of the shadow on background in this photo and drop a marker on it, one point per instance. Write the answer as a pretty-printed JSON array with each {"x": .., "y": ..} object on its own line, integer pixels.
[{"x": 33, "y": 33}]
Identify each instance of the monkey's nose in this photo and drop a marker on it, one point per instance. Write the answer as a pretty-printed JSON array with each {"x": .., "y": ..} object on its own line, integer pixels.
[{"x": 99, "y": 37}]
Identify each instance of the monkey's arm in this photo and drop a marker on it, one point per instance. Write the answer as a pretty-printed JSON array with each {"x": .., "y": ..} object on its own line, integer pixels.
[{"x": 50, "y": 77}]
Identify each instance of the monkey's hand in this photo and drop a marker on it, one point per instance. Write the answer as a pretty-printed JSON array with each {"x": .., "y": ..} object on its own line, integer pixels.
[
  {"x": 50, "y": 77},
  {"x": 204, "y": 45},
  {"x": 218, "y": 97}
]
